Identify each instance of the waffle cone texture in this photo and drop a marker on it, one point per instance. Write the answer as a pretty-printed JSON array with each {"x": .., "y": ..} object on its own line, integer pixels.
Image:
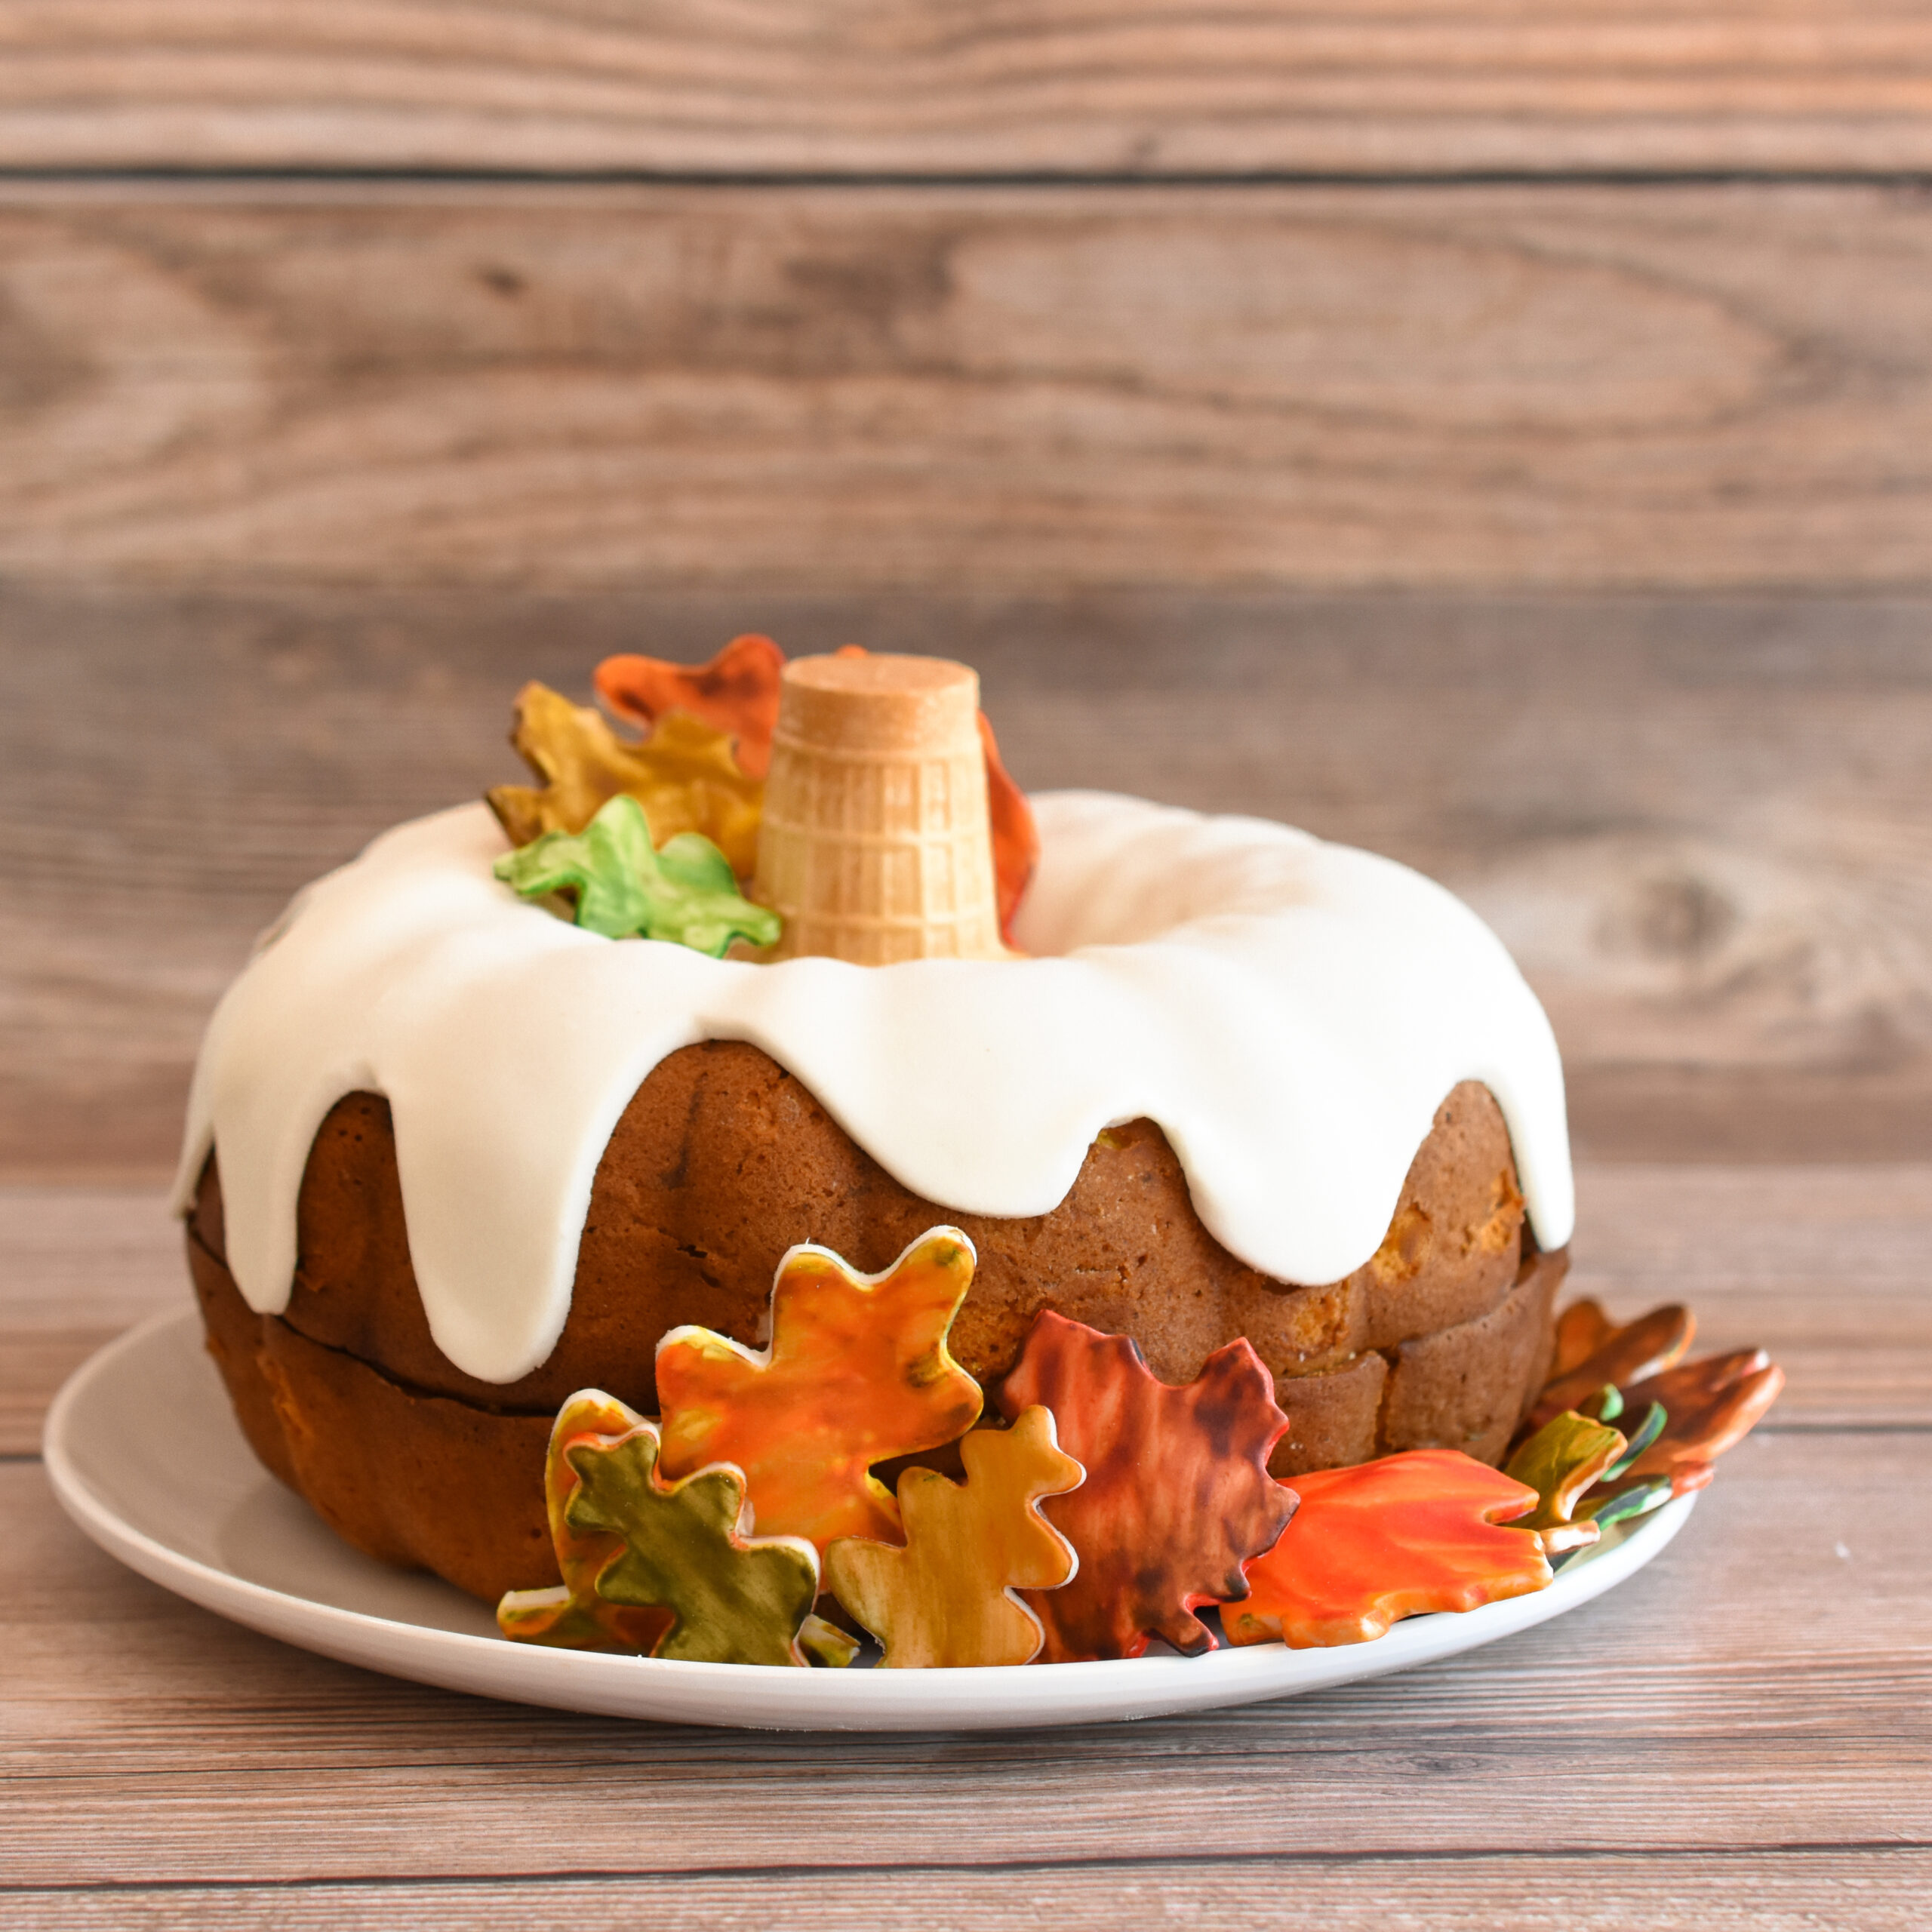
[{"x": 876, "y": 845}]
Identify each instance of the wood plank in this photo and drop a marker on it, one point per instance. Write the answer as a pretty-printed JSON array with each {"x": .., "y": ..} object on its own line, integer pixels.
[
  {"x": 77, "y": 1266},
  {"x": 1697, "y": 385},
  {"x": 1143, "y": 87},
  {"x": 1874, "y": 1889},
  {"x": 1774, "y": 1661},
  {"x": 1824, "y": 1266},
  {"x": 1698, "y": 823}
]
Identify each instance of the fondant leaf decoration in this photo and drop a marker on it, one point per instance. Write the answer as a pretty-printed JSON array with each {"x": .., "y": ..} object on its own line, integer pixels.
[
  {"x": 948, "y": 1598},
  {"x": 1569, "y": 1454},
  {"x": 736, "y": 693},
  {"x": 857, "y": 1372},
  {"x": 574, "y": 1616},
  {"x": 671, "y": 1569},
  {"x": 1709, "y": 1407},
  {"x": 1016, "y": 837},
  {"x": 1177, "y": 1497},
  {"x": 624, "y": 887},
  {"x": 1406, "y": 1534},
  {"x": 1618, "y": 1354},
  {"x": 684, "y": 776}
]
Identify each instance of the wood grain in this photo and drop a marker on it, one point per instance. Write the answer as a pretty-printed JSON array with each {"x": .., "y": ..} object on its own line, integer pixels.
[
  {"x": 1698, "y": 823},
  {"x": 1145, "y": 88},
  {"x": 1046, "y": 390},
  {"x": 77, "y": 1266},
  {"x": 1824, "y": 1266},
  {"x": 1793, "y": 1708},
  {"x": 1876, "y": 1889}
]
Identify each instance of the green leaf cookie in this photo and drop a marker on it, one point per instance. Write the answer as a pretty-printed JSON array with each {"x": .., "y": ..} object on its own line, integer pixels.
[
  {"x": 734, "y": 1598},
  {"x": 686, "y": 893},
  {"x": 1565, "y": 1457}
]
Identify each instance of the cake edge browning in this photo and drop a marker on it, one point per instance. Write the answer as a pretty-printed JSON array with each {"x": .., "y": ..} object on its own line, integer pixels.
[
  {"x": 448, "y": 1486},
  {"x": 419, "y": 1468},
  {"x": 723, "y": 1160}
]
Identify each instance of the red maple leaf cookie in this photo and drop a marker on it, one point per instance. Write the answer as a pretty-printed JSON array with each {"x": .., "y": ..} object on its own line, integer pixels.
[{"x": 1177, "y": 1497}]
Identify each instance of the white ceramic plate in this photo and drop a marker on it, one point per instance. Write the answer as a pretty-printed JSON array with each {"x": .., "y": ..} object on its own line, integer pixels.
[{"x": 144, "y": 1454}]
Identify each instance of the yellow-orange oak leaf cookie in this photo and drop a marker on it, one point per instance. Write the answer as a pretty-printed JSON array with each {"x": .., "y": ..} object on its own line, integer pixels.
[
  {"x": 684, "y": 775},
  {"x": 948, "y": 1598},
  {"x": 857, "y": 1372},
  {"x": 1396, "y": 1537}
]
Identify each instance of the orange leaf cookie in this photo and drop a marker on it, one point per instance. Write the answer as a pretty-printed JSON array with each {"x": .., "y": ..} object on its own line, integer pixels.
[
  {"x": 1177, "y": 1497},
  {"x": 736, "y": 693},
  {"x": 1710, "y": 1406},
  {"x": 857, "y": 1372},
  {"x": 1387, "y": 1539},
  {"x": 948, "y": 1597}
]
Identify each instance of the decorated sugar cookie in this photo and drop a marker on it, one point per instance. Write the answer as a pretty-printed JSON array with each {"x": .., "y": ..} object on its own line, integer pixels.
[
  {"x": 1177, "y": 1497},
  {"x": 950, "y": 1597},
  {"x": 1392, "y": 1538},
  {"x": 856, "y": 1372},
  {"x": 670, "y": 1569}
]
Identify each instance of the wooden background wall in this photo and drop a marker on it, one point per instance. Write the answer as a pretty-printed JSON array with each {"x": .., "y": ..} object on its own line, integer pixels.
[{"x": 1498, "y": 433}]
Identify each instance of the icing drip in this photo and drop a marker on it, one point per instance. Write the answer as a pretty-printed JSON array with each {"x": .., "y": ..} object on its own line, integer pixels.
[{"x": 1291, "y": 1013}]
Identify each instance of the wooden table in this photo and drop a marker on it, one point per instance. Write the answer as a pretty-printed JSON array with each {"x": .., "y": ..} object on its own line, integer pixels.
[{"x": 1494, "y": 436}]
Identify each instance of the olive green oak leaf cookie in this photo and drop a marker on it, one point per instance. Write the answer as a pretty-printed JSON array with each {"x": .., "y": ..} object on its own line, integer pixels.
[
  {"x": 684, "y": 1576},
  {"x": 624, "y": 887},
  {"x": 572, "y": 1615},
  {"x": 1569, "y": 1455},
  {"x": 734, "y": 1598}
]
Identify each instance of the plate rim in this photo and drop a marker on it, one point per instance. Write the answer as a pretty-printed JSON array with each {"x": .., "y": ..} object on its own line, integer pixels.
[{"x": 675, "y": 1690}]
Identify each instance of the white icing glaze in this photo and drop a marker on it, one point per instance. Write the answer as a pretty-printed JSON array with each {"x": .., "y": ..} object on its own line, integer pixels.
[{"x": 1291, "y": 1013}]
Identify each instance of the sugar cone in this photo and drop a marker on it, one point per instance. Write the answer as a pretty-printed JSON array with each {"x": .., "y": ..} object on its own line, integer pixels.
[{"x": 875, "y": 845}]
